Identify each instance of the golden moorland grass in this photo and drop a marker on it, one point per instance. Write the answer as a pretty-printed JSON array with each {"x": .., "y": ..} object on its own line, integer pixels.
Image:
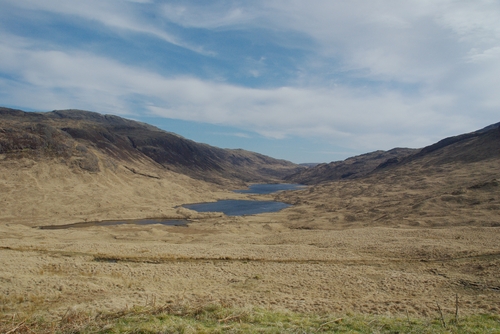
[{"x": 387, "y": 253}]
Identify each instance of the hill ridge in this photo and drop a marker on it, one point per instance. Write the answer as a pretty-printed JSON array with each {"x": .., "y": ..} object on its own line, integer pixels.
[
  {"x": 469, "y": 147},
  {"x": 74, "y": 133}
]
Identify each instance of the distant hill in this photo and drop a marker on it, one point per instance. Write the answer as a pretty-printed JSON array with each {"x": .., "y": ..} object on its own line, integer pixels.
[
  {"x": 309, "y": 164},
  {"x": 76, "y": 136},
  {"x": 471, "y": 147},
  {"x": 90, "y": 141},
  {"x": 350, "y": 168},
  {"x": 476, "y": 146}
]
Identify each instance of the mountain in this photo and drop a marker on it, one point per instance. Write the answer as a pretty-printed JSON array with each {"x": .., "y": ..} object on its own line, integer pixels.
[
  {"x": 77, "y": 136},
  {"x": 350, "y": 168},
  {"x": 471, "y": 147},
  {"x": 466, "y": 148},
  {"x": 454, "y": 182}
]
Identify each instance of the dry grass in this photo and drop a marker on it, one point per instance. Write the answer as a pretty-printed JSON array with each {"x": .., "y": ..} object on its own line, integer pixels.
[
  {"x": 374, "y": 252},
  {"x": 208, "y": 317}
]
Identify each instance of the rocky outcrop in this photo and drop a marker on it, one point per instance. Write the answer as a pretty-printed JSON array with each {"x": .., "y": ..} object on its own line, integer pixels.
[{"x": 77, "y": 136}]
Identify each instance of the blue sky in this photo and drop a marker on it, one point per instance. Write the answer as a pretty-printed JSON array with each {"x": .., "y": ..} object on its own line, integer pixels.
[{"x": 306, "y": 81}]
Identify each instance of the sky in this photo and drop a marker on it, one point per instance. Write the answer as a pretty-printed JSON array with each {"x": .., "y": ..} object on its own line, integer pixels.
[{"x": 305, "y": 81}]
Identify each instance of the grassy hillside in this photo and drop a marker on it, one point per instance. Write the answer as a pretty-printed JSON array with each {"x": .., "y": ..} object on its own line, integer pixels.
[
  {"x": 75, "y": 137},
  {"x": 387, "y": 252}
]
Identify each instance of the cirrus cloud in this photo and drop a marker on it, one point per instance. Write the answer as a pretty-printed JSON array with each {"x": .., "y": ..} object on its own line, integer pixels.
[{"x": 360, "y": 75}]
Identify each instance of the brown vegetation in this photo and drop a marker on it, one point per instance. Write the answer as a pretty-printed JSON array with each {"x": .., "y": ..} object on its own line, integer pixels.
[
  {"x": 77, "y": 137},
  {"x": 397, "y": 241}
]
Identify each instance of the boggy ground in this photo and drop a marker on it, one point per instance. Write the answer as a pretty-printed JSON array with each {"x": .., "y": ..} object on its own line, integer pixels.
[{"x": 396, "y": 242}]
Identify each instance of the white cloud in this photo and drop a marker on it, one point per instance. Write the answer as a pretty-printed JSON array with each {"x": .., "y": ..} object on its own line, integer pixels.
[
  {"x": 112, "y": 13},
  {"x": 56, "y": 79},
  {"x": 473, "y": 21},
  {"x": 233, "y": 134},
  {"x": 446, "y": 51},
  {"x": 492, "y": 54},
  {"x": 212, "y": 15},
  {"x": 405, "y": 41}
]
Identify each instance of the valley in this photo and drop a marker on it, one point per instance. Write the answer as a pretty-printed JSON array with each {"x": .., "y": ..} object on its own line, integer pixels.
[{"x": 414, "y": 230}]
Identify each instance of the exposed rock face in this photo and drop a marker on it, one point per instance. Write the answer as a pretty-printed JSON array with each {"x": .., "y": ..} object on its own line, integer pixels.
[{"x": 76, "y": 136}]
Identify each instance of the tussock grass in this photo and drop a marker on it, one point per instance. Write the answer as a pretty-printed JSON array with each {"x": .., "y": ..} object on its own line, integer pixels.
[{"x": 216, "y": 318}]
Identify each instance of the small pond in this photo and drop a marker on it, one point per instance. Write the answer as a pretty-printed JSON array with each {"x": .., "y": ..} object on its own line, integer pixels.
[
  {"x": 169, "y": 222},
  {"x": 247, "y": 207},
  {"x": 269, "y": 188},
  {"x": 228, "y": 207},
  {"x": 238, "y": 207}
]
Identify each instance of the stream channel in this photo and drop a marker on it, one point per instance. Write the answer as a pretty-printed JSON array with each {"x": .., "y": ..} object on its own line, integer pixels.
[{"x": 228, "y": 207}]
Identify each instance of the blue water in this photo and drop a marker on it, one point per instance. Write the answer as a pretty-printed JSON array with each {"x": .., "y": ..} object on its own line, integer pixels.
[
  {"x": 169, "y": 222},
  {"x": 269, "y": 188},
  {"x": 228, "y": 207},
  {"x": 238, "y": 207}
]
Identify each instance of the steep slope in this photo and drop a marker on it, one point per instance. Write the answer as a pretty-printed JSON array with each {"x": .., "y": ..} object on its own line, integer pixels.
[
  {"x": 75, "y": 134},
  {"x": 454, "y": 182},
  {"x": 70, "y": 166},
  {"x": 36, "y": 192},
  {"x": 350, "y": 168},
  {"x": 471, "y": 147}
]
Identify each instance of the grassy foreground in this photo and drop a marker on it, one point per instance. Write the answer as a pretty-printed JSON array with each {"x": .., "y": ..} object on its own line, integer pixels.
[{"x": 218, "y": 319}]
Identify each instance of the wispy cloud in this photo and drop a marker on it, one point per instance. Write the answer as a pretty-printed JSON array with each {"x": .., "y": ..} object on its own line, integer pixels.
[
  {"x": 77, "y": 79},
  {"x": 233, "y": 134},
  {"x": 129, "y": 16},
  {"x": 360, "y": 74},
  {"x": 212, "y": 15}
]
